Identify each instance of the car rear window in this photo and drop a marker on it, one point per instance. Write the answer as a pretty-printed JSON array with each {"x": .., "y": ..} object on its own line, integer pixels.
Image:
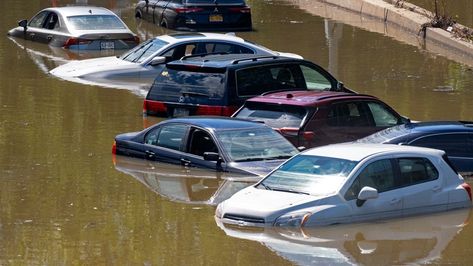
[
  {"x": 275, "y": 116},
  {"x": 174, "y": 82},
  {"x": 96, "y": 22}
]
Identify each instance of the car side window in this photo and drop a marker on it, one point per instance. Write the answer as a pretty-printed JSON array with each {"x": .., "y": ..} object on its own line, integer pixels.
[
  {"x": 224, "y": 48},
  {"x": 416, "y": 170},
  {"x": 314, "y": 79},
  {"x": 179, "y": 51},
  {"x": 168, "y": 136},
  {"x": 257, "y": 80},
  {"x": 201, "y": 142},
  {"x": 382, "y": 116},
  {"x": 379, "y": 175},
  {"x": 38, "y": 20},
  {"x": 52, "y": 22},
  {"x": 454, "y": 144},
  {"x": 349, "y": 114}
]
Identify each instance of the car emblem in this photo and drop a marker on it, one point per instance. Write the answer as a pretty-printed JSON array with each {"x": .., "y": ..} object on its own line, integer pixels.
[
  {"x": 216, "y": 10},
  {"x": 182, "y": 99}
]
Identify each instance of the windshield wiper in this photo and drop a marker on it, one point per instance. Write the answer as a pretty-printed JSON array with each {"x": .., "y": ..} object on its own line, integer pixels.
[
  {"x": 289, "y": 190},
  {"x": 265, "y": 186},
  {"x": 198, "y": 94},
  {"x": 279, "y": 157}
]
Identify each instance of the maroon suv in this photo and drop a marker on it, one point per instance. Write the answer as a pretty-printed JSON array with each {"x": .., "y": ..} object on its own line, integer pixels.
[{"x": 314, "y": 118}]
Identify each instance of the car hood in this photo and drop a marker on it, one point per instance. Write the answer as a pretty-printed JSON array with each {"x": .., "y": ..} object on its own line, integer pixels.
[
  {"x": 267, "y": 204},
  {"x": 259, "y": 168},
  {"x": 89, "y": 66}
]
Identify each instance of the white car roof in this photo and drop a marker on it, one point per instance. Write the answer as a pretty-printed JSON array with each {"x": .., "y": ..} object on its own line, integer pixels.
[
  {"x": 174, "y": 38},
  {"x": 359, "y": 151},
  {"x": 81, "y": 10}
]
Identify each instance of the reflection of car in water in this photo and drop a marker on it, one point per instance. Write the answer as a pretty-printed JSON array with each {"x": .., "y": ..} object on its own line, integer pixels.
[
  {"x": 183, "y": 184},
  {"x": 77, "y": 27},
  {"x": 414, "y": 240}
]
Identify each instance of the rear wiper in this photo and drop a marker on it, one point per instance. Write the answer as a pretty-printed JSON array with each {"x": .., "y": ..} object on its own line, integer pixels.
[{"x": 190, "y": 93}]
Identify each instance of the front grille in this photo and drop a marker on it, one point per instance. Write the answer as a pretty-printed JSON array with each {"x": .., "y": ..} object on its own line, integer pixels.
[{"x": 248, "y": 219}]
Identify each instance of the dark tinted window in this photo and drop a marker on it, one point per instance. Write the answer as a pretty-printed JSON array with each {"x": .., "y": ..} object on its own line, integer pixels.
[
  {"x": 201, "y": 142},
  {"x": 223, "y": 48},
  {"x": 454, "y": 144},
  {"x": 168, "y": 136},
  {"x": 416, "y": 170},
  {"x": 205, "y": 85},
  {"x": 217, "y": 2},
  {"x": 275, "y": 116},
  {"x": 349, "y": 114}
]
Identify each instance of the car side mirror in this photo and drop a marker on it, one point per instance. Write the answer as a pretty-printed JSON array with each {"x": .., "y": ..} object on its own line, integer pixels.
[
  {"x": 211, "y": 156},
  {"x": 365, "y": 194},
  {"x": 405, "y": 120},
  {"x": 23, "y": 23},
  {"x": 158, "y": 60}
]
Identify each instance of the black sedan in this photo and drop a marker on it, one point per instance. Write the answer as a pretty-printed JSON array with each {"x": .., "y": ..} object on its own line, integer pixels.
[
  {"x": 223, "y": 144},
  {"x": 78, "y": 28},
  {"x": 222, "y": 15},
  {"x": 455, "y": 138}
]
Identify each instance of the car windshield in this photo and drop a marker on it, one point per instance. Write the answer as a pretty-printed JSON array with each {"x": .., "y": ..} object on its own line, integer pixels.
[
  {"x": 275, "y": 116},
  {"x": 386, "y": 135},
  {"x": 314, "y": 175},
  {"x": 96, "y": 22},
  {"x": 255, "y": 144},
  {"x": 141, "y": 52}
]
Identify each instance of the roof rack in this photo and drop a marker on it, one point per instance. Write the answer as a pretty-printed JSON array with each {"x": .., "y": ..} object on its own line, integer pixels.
[{"x": 256, "y": 58}]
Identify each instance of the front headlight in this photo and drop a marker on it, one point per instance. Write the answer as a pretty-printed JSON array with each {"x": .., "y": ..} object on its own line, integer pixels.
[
  {"x": 219, "y": 211},
  {"x": 293, "y": 219}
]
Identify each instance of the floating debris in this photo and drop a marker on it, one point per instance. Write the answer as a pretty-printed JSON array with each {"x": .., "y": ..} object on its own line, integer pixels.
[{"x": 446, "y": 88}]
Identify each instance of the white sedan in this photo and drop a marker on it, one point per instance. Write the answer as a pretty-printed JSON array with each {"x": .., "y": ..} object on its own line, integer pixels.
[
  {"x": 137, "y": 68},
  {"x": 345, "y": 183}
]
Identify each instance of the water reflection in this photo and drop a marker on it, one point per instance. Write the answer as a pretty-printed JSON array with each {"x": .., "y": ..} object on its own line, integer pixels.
[
  {"x": 415, "y": 240},
  {"x": 183, "y": 184}
]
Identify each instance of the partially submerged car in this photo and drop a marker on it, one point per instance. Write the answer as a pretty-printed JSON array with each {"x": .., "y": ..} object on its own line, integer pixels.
[
  {"x": 221, "y": 15},
  {"x": 139, "y": 67},
  {"x": 315, "y": 118},
  {"x": 345, "y": 183},
  {"x": 220, "y": 84},
  {"x": 454, "y": 137},
  {"x": 221, "y": 144},
  {"x": 78, "y": 28}
]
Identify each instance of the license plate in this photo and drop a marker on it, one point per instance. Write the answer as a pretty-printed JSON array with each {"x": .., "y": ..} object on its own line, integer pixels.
[
  {"x": 107, "y": 45},
  {"x": 216, "y": 18},
  {"x": 180, "y": 112}
]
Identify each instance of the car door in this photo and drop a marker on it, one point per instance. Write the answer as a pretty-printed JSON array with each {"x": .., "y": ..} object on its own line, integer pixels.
[
  {"x": 422, "y": 191},
  {"x": 148, "y": 10},
  {"x": 167, "y": 143},
  {"x": 160, "y": 9},
  {"x": 199, "y": 142},
  {"x": 347, "y": 121},
  {"x": 379, "y": 174},
  {"x": 35, "y": 27},
  {"x": 458, "y": 146}
]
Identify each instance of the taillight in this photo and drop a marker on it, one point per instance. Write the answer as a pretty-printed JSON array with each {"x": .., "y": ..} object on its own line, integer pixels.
[
  {"x": 215, "y": 110},
  {"x": 294, "y": 132},
  {"x": 243, "y": 10},
  {"x": 188, "y": 10},
  {"x": 153, "y": 107},
  {"x": 134, "y": 39},
  {"x": 468, "y": 189},
  {"x": 75, "y": 41},
  {"x": 114, "y": 147}
]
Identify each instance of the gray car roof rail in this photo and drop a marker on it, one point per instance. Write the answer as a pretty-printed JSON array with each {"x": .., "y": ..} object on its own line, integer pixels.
[
  {"x": 202, "y": 55},
  {"x": 255, "y": 58}
]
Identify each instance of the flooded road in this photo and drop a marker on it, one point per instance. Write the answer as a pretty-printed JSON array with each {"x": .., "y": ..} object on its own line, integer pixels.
[{"x": 63, "y": 200}]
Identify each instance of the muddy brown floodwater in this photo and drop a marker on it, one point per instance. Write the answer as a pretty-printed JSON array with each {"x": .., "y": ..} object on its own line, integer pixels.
[{"x": 63, "y": 200}]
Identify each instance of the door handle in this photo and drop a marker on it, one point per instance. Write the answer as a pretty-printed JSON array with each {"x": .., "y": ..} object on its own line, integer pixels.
[
  {"x": 395, "y": 201},
  {"x": 185, "y": 162},
  {"x": 436, "y": 189},
  {"x": 150, "y": 154},
  {"x": 49, "y": 37}
]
